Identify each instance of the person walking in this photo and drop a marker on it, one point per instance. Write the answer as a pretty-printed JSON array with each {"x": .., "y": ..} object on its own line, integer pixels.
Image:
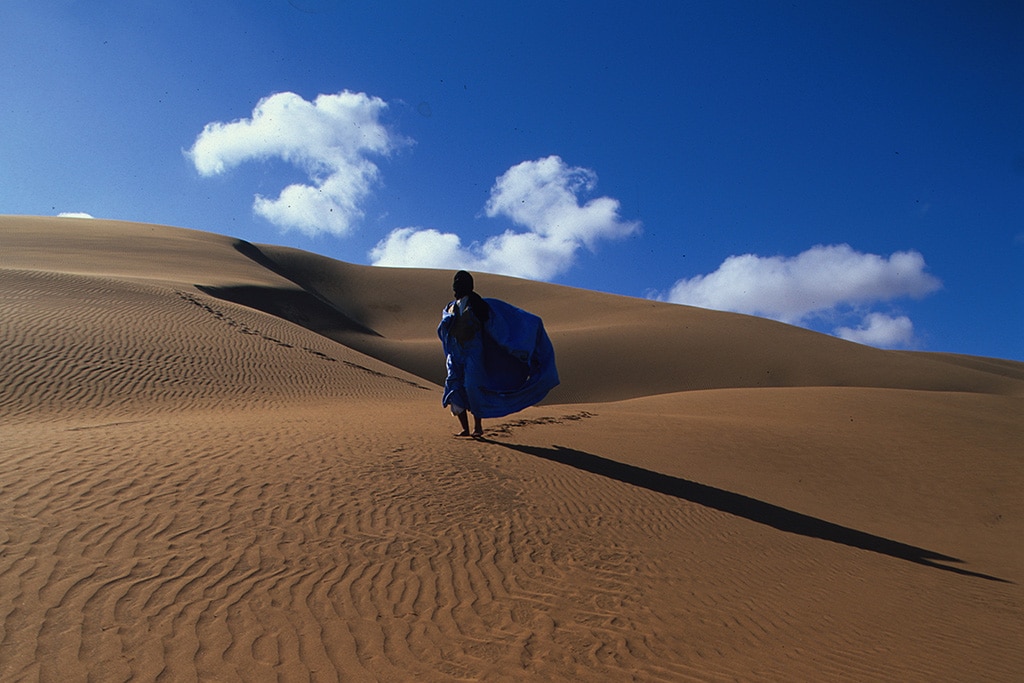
[{"x": 499, "y": 358}]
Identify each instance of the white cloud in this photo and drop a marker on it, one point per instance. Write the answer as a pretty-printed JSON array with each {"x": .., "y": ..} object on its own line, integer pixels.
[
  {"x": 74, "y": 214},
  {"x": 422, "y": 248},
  {"x": 824, "y": 282},
  {"x": 542, "y": 196},
  {"x": 879, "y": 329},
  {"x": 814, "y": 282},
  {"x": 329, "y": 138}
]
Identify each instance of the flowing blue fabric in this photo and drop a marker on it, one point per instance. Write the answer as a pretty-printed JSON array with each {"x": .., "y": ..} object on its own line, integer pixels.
[{"x": 507, "y": 365}]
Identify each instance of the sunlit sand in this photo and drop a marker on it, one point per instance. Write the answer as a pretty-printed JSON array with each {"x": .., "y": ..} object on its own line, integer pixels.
[{"x": 226, "y": 461}]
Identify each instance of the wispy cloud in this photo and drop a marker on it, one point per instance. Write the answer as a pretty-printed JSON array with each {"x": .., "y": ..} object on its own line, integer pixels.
[
  {"x": 74, "y": 214},
  {"x": 816, "y": 283},
  {"x": 541, "y": 196},
  {"x": 331, "y": 138}
]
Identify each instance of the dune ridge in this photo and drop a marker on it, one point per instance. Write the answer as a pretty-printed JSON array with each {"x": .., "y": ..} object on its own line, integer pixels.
[
  {"x": 633, "y": 347},
  {"x": 226, "y": 461}
]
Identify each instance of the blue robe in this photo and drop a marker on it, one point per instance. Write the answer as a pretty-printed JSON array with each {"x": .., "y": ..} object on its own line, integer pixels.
[{"x": 508, "y": 363}]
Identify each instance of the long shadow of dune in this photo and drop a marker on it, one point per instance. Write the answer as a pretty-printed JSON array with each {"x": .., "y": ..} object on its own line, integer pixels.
[
  {"x": 294, "y": 305},
  {"x": 250, "y": 250},
  {"x": 303, "y": 306},
  {"x": 746, "y": 507}
]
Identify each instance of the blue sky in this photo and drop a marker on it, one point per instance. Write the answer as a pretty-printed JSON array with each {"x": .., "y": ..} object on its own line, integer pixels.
[{"x": 852, "y": 167}]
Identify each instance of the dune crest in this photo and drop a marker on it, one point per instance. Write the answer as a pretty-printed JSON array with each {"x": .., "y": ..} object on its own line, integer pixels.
[
  {"x": 613, "y": 347},
  {"x": 227, "y": 461}
]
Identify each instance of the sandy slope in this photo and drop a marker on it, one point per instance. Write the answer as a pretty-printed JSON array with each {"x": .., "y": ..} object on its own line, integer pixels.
[{"x": 222, "y": 461}]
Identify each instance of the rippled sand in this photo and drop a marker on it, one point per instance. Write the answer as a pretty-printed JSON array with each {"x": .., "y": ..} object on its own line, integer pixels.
[{"x": 224, "y": 461}]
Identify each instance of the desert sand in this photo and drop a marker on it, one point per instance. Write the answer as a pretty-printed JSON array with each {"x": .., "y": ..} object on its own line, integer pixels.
[{"x": 222, "y": 461}]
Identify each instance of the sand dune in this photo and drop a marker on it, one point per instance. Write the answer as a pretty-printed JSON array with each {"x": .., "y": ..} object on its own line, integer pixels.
[
  {"x": 227, "y": 461},
  {"x": 611, "y": 347}
]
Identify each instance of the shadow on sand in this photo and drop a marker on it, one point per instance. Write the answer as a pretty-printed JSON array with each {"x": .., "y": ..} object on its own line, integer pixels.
[
  {"x": 743, "y": 506},
  {"x": 294, "y": 305},
  {"x": 300, "y": 305}
]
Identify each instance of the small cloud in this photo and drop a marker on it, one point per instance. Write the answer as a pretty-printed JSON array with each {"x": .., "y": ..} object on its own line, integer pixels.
[
  {"x": 814, "y": 282},
  {"x": 879, "y": 329},
  {"x": 74, "y": 214},
  {"x": 542, "y": 196},
  {"x": 330, "y": 138}
]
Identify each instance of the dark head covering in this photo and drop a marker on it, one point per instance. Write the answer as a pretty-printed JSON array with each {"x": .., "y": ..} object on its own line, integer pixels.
[{"x": 463, "y": 284}]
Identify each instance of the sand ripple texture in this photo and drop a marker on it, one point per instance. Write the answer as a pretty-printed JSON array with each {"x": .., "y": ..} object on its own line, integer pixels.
[
  {"x": 306, "y": 551},
  {"x": 309, "y": 544},
  {"x": 79, "y": 344}
]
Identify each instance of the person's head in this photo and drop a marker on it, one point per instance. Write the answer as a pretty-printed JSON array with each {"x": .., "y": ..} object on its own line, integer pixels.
[{"x": 462, "y": 285}]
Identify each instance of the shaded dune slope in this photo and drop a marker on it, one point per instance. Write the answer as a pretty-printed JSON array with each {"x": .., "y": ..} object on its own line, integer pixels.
[{"x": 612, "y": 347}]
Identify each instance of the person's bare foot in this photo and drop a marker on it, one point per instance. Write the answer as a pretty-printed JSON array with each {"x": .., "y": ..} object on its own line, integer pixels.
[{"x": 464, "y": 423}]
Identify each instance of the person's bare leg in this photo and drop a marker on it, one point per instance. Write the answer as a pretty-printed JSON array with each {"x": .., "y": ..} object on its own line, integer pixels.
[
  {"x": 478, "y": 428},
  {"x": 464, "y": 421}
]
